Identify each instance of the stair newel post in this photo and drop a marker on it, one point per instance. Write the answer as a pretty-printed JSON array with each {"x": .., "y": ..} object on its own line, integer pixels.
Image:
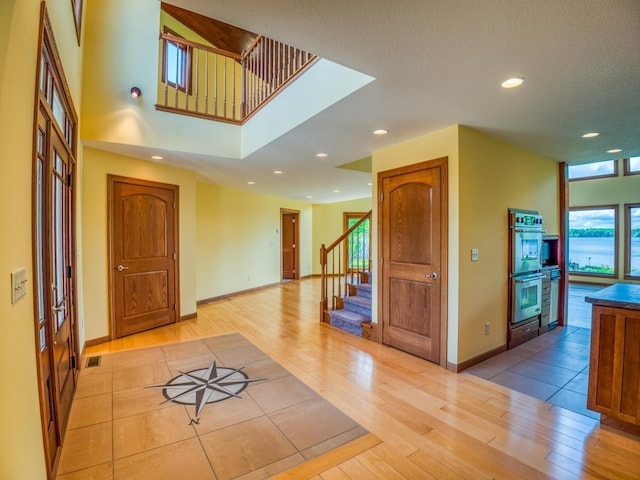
[{"x": 323, "y": 282}]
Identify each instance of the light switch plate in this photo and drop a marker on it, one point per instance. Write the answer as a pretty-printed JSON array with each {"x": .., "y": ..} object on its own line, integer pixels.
[
  {"x": 18, "y": 284},
  {"x": 474, "y": 254}
]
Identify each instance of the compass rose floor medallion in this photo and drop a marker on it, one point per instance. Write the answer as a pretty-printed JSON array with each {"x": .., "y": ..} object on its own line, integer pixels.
[{"x": 213, "y": 409}]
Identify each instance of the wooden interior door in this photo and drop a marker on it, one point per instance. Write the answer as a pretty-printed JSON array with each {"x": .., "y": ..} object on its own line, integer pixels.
[
  {"x": 143, "y": 223},
  {"x": 289, "y": 229},
  {"x": 412, "y": 214}
]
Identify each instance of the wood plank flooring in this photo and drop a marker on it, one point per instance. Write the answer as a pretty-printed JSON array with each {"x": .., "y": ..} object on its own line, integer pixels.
[{"x": 432, "y": 424}]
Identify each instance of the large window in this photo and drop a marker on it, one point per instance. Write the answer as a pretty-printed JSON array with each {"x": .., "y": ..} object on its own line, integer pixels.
[
  {"x": 632, "y": 241},
  {"x": 606, "y": 168},
  {"x": 593, "y": 240}
]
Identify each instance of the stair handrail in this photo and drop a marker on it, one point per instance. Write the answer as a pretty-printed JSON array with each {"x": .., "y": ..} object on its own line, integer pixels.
[{"x": 324, "y": 274}]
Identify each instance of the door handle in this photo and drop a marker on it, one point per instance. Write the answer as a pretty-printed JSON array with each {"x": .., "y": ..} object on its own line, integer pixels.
[
  {"x": 433, "y": 275},
  {"x": 57, "y": 309},
  {"x": 121, "y": 268}
]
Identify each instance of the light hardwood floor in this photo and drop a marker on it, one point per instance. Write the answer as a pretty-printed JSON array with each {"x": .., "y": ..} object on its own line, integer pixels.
[{"x": 431, "y": 423}]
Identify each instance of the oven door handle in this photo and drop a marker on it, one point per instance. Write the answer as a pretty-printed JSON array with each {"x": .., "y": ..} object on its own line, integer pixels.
[
  {"x": 529, "y": 230},
  {"x": 529, "y": 279}
]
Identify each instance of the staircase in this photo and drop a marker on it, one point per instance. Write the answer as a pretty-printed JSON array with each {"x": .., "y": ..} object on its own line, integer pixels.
[
  {"x": 346, "y": 288},
  {"x": 355, "y": 314}
]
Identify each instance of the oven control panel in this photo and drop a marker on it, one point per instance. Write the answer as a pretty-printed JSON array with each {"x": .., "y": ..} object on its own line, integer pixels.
[{"x": 526, "y": 220}]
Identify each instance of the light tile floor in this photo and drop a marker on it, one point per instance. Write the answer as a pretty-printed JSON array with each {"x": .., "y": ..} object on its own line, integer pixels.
[
  {"x": 554, "y": 366},
  {"x": 122, "y": 428}
]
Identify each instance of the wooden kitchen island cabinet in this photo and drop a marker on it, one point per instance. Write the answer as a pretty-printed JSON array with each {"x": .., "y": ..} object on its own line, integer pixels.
[{"x": 614, "y": 367}]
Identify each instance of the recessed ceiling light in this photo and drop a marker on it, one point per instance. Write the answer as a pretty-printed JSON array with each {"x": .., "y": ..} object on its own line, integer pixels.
[
  {"x": 321, "y": 155},
  {"x": 370, "y": 184},
  {"x": 381, "y": 131},
  {"x": 512, "y": 82},
  {"x": 251, "y": 183},
  {"x": 156, "y": 157},
  {"x": 278, "y": 172},
  {"x": 336, "y": 191},
  {"x": 590, "y": 135},
  {"x": 614, "y": 150},
  {"x": 309, "y": 196}
]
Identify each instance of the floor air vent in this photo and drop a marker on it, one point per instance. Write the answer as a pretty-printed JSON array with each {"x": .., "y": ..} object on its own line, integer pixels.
[{"x": 93, "y": 362}]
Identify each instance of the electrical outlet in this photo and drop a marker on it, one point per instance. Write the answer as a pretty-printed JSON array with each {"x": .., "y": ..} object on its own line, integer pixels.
[
  {"x": 18, "y": 287},
  {"x": 487, "y": 328},
  {"x": 475, "y": 254}
]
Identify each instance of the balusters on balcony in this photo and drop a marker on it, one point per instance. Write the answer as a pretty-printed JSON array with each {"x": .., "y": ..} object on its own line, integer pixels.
[{"x": 235, "y": 86}]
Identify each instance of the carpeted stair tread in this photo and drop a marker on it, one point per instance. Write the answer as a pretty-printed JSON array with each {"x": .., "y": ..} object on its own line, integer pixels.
[
  {"x": 358, "y": 304},
  {"x": 348, "y": 320},
  {"x": 364, "y": 289}
]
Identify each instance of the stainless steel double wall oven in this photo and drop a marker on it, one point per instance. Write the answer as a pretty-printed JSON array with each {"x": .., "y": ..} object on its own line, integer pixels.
[{"x": 525, "y": 264}]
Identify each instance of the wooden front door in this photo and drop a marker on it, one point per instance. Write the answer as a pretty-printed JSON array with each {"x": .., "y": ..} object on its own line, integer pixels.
[
  {"x": 143, "y": 228},
  {"x": 57, "y": 350},
  {"x": 289, "y": 245},
  {"x": 412, "y": 249}
]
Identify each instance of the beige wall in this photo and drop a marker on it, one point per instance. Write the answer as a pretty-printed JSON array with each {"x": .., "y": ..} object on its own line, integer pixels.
[
  {"x": 607, "y": 191},
  {"x": 488, "y": 169},
  {"x": 328, "y": 224},
  {"x": 238, "y": 239},
  {"x": 97, "y": 165},
  {"x": 21, "y": 446}
]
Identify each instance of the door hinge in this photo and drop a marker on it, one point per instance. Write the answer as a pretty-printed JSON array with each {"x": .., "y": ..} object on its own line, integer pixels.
[
  {"x": 175, "y": 256},
  {"x": 175, "y": 307},
  {"x": 381, "y": 260},
  {"x": 293, "y": 220},
  {"x": 69, "y": 180},
  {"x": 382, "y": 197},
  {"x": 69, "y": 271},
  {"x": 73, "y": 361},
  {"x": 174, "y": 205},
  {"x": 294, "y": 245}
]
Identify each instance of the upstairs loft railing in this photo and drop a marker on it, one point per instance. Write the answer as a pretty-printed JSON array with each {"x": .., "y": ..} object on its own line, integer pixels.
[
  {"x": 207, "y": 82},
  {"x": 343, "y": 264}
]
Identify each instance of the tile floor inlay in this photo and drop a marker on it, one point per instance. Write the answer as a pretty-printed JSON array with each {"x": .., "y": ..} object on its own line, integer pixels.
[
  {"x": 205, "y": 385},
  {"x": 214, "y": 408}
]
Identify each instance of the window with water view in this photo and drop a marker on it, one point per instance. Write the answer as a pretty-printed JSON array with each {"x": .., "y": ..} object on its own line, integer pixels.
[
  {"x": 632, "y": 237},
  {"x": 592, "y": 240}
]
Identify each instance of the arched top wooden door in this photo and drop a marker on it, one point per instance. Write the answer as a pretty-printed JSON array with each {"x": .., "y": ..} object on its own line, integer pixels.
[{"x": 143, "y": 227}]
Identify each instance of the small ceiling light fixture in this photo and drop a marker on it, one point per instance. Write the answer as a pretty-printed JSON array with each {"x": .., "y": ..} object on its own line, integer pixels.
[
  {"x": 370, "y": 184},
  {"x": 381, "y": 131},
  {"x": 321, "y": 155},
  {"x": 614, "y": 150},
  {"x": 136, "y": 92},
  {"x": 336, "y": 191},
  {"x": 156, "y": 157},
  {"x": 590, "y": 135},
  {"x": 251, "y": 183},
  {"x": 278, "y": 172},
  {"x": 309, "y": 196},
  {"x": 513, "y": 82}
]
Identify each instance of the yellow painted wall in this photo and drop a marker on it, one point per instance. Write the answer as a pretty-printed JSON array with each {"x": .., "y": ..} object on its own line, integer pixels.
[
  {"x": 442, "y": 143},
  {"x": 21, "y": 445},
  {"x": 488, "y": 188},
  {"x": 121, "y": 45},
  {"x": 97, "y": 165},
  {"x": 328, "y": 224},
  {"x": 238, "y": 239},
  {"x": 607, "y": 191}
]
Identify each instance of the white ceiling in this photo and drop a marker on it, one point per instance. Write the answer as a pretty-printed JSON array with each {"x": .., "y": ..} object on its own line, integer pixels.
[{"x": 440, "y": 62}]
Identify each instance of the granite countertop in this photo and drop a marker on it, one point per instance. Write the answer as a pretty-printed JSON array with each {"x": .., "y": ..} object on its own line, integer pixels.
[{"x": 619, "y": 295}]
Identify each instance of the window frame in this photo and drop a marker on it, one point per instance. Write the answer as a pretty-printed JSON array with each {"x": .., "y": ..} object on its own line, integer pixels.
[
  {"x": 608, "y": 175},
  {"x": 616, "y": 240},
  {"x": 627, "y": 241},
  {"x": 627, "y": 167},
  {"x": 186, "y": 84}
]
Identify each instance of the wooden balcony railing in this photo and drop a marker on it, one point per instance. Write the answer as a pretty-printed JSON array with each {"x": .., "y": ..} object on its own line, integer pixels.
[
  {"x": 343, "y": 264},
  {"x": 207, "y": 82}
]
